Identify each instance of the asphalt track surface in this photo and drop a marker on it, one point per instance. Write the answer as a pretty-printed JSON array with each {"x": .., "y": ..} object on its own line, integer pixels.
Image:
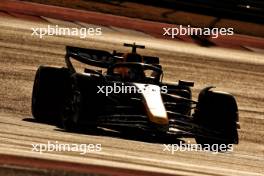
[{"x": 238, "y": 72}]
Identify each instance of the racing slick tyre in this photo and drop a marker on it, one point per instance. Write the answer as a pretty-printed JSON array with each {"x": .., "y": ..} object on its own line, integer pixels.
[
  {"x": 217, "y": 114},
  {"x": 49, "y": 92}
]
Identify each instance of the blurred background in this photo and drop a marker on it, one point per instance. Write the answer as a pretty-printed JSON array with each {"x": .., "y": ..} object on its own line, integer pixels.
[{"x": 245, "y": 16}]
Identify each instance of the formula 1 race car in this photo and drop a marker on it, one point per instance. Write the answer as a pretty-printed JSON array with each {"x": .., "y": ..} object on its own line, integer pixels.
[{"x": 130, "y": 95}]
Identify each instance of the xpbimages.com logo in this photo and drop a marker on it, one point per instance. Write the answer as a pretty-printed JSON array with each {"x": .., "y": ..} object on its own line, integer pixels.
[
  {"x": 183, "y": 147},
  {"x": 62, "y": 147},
  {"x": 188, "y": 30},
  {"x": 63, "y": 31},
  {"x": 128, "y": 89}
]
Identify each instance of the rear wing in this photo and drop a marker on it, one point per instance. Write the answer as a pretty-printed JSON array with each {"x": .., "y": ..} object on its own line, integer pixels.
[
  {"x": 151, "y": 60},
  {"x": 98, "y": 58}
]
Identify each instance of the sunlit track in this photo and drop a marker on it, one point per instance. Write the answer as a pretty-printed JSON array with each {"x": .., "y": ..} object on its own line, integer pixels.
[
  {"x": 21, "y": 54},
  {"x": 13, "y": 142}
]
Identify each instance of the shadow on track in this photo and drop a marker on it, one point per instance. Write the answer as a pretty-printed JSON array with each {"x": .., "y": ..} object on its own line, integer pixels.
[{"x": 128, "y": 134}]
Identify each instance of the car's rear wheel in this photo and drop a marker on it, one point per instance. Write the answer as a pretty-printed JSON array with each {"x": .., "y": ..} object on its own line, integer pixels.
[
  {"x": 49, "y": 92},
  {"x": 217, "y": 114}
]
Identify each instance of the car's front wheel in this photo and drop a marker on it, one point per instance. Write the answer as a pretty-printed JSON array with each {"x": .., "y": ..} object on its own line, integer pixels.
[{"x": 217, "y": 115}]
